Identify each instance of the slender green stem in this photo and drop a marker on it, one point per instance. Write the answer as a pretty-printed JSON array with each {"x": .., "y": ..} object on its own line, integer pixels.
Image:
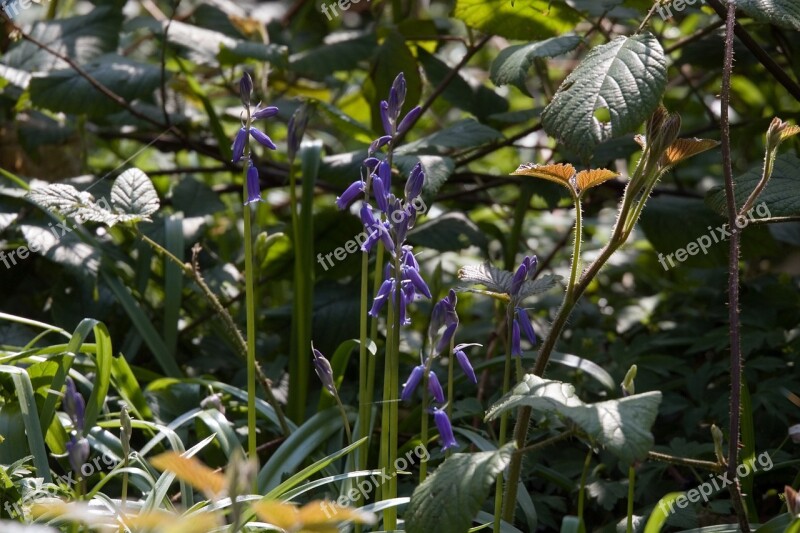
[
  {"x": 450, "y": 378},
  {"x": 394, "y": 406},
  {"x": 345, "y": 421},
  {"x": 364, "y": 402},
  {"x": 582, "y": 490},
  {"x": 631, "y": 489},
  {"x": 684, "y": 461},
  {"x": 385, "y": 414},
  {"x": 423, "y": 465},
  {"x": 498, "y": 492},
  {"x": 576, "y": 250},
  {"x": 251, "y": 335}
]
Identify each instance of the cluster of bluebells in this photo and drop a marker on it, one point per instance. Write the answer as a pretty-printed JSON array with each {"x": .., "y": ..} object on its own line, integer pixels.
[
  {"x": 240, "y": 143},
  {"x": 77, "y": 446},
  {"x": 521, "y": 321},
  {"x": 444, "y": 316},
  {"x": 392, "y": 217}
]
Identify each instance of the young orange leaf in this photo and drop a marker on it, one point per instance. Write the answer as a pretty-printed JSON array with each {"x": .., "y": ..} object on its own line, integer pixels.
[
  {"x": 684, "y": 149},
  {"x": 560, "y": 173},
  {"x": 317, "y": 516},
  {"x": 591, "y": 178},
  {"x": 191, "y": 471}
]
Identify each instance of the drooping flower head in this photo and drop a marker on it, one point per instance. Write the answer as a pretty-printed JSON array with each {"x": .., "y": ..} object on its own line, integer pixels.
[{"x": 445, "y": 429}]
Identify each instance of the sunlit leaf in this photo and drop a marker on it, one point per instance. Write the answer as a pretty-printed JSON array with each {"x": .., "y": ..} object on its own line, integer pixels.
[
  {"x": 317, "y": 516},
  {"x": 591, "y": 178},
  {"x": 192, "y": 471},
  {"x": 686, "y": 148},
  {"x": 560, "y": 173}
]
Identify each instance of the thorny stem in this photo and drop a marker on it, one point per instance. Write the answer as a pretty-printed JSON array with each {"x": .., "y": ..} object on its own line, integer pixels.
[{"x": 733, "y": 277}]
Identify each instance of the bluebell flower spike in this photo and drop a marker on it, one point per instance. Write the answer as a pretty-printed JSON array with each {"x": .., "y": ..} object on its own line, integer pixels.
[
  {"x": 412, "y": 382},
  {"x": 77, "y": 452},
  {"x": 435, "y": 388},
  {"x": 445, "y": 429},
  {"x": 324, "y": 371}
]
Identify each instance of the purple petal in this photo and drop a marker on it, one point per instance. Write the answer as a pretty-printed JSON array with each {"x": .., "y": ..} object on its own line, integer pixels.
[
  {"x": 399, "y": 87},
  {"x": 245, "y": 88},
  {"x": 385, "y": 172},
  {"x": 419, "y": 283},
  {"x": 387, "y": 124},
  {"x": 526, "y": 326},
  {"x": 444, "y": 341},
  {"x": 412, "y": 382},
  {"x": 379, "y": 143},
  {"x": 265, "y": 112},
  {"x": 515, "y": 348},
  {"x": 253, "y": 185},
  {"x": 238, "y": 145},
  {"x": 380, "y": 298},
  {"x": 379, "y": 190},
  {"x": 262, "y": 138},
  {"x": 518, "y": 279},
  {"x": 324, "y": 371},
  {"x": 445, "y": 429},
  {"x": 350, "y": 194},
  {"x": 409, "y": 120},
  {"x": 415, "y": 182},
  {"x": 367, "y": 218},
  {"x": 435, "y": 388},
  {"x": 466, "y": 366}
]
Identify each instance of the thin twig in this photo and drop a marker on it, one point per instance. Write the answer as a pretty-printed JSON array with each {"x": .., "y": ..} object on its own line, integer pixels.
[
  {"x": 733, "y": 275},
  {"x": 683, "y": 461}
]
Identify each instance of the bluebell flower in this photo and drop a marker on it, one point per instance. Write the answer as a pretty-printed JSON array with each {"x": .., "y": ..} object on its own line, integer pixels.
[
  {"x": 515, "y": 341},
  {"x": 245, "y": 89},
  {"x": 77, "y": 452},
  {"x": 416, "y": 280},
  {"x": 463, "y": 360},
  {"x": 435, "y": 388},
  {"x": 385, "y": 173},
  {"x": 412, "y": 382},
  {"x": 74, "y": 405},
  {"x": 377, "y": 144},
  {"x": 371, "y": 163},
  {"x": 253, "y": 185},
  {"x": 384, "y": 293},
  {"x": 238, "y": 144},
  {"x": 525, "y": 325},
  {"x": 519, "y": 278},
  {"x": 387, "y": 123},
  {"x": 410, "y": 118},
  {"x": 324, "y": 371},
  {"x": 447, "y": 336},
  {"x": 445, "y": 429},
  {"x": 380, "y": 193},
  {"x": 350, "y": 194},
  {"x": 262, "y": 138},
  {"x": 264, "y": 112},
  {"x": 415, "y": 182}
]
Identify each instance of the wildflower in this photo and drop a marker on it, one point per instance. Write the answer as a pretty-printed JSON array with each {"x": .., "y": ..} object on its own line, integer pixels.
[
  {"x": 77, "y": 452},
  {"x": 253, "y": 185},
  {"x": 295, "y": 130},
  {"x": 350, "y": 194},
  {"x": 245, "y": 89},
  {"x": 412, "y": 382},
  {"x": 408, "y": 120},
  {"x": 435, "y": 388},
  {"x": 525, "y": 325},
  {"x": 445, "y": 429},
  {"x": 74, "y": 405},
  {"x": 414, "y": 184},
  {"x": 324, "y": 371},
  {"x": 264, "y": 112},
  {"x": 463, "y": 361},
  {"x": 515, "y": 344},
  {"x": 519, "y": 278},
  {"x": 380, "y": 299}
]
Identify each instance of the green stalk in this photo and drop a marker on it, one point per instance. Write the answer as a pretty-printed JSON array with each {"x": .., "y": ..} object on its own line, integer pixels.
[
  {"x": 423, "y": 466},
  {"x": 394, "y": 395},
  {"x": 582, "y": 491},
  {"x": 364, "y": 401},
  {"x": 450, "y": 378},
  {"x": 498, "y": 492},
  {"x": 389, "y": 515},
  {"x": 523, "y": 419},
  {"x": 631, "y": 487}
]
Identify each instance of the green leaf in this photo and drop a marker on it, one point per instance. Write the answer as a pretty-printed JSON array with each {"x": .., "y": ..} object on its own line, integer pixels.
[
  {"x": 449, "y": 232},
  {"x": 660, "y": 513},
  {"x": 535, "y": 19},
  {"x": 512, "y": 64},
  {"x": 67, "y": 250},
  {"x": 195, "y": 199},
  {"x": 622, "y": 426},
  {"x": 133, "y": 194},
  {"x": 317, "y": 63},
  {"x": 467, "y": 133},
  {"x": 780, "y": 198},
  {"x": 212, "y": 48},
  {"x": 783, "y": 13},
  {"x": 82, "y": 38},
  {"x": 626, "y": 77},
  {"x": 448, "y": 500},
  {"x": 67, "y": 91}
]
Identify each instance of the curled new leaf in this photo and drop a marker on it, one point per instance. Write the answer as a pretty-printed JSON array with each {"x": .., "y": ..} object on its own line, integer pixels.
[{"x": 684, "y": 149}]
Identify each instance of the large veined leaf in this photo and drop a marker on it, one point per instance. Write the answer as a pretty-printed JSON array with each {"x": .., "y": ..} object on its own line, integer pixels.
[
  {"x": 784, "y": 13},
  {"x": 534, "y": 19},
  {"x": 82, "y": 38},
  {"x": 133, "y": 198},
  {"x": 621, "y": 426},
  {"x": 498, "y": 281},
  {"x": 780, "y": 198},
  {"x": 332, "y": 57},
  {"x": 66, "y": 91},
  {"x": 133, "y": 194},
  {"x": 614, "y": 89},
  {"x": 209, "y": 47},
  {"x": 512, "y": 64},
  {"x": 449, "y": 232},
  {"x": 447, "y": 501}
]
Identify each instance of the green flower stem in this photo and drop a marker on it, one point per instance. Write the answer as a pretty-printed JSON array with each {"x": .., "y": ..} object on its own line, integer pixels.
[
  {"x": 251, "y": 335},
  {"x": 683, "y": 461},
  {"x": 631, "y": 489},
  {"x": 582, "y": 490},
  {"x": 192, "y": 271},
  {"x": 364, "y": 401},
  {"x": 451, "y": 378},
  {"x": 394, "y": 396},
  {"x": 498, "y": 492},
  {"x": 423, "y": 434},
  {"x": 299, "y": 367}
]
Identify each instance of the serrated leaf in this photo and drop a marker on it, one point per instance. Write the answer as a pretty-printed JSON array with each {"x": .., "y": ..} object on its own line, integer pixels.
[
  {"x": 627, "y": 77},
  {"x": 133, "y": 194},
  {"x": 783, "y": 13},
  {"x": 780, "y": 198},
  {"x": 684, "y": 149},
  {"x": 499, "y": 281},
  {"x": 622, "y": 426},
  {"x": 512, "y": 64},
  {"x": 82, "y": 38},
  {"x": 534, "y": 19},
  {"x": 448, "y": 500},
  {"x": 67, "y": 91}
]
